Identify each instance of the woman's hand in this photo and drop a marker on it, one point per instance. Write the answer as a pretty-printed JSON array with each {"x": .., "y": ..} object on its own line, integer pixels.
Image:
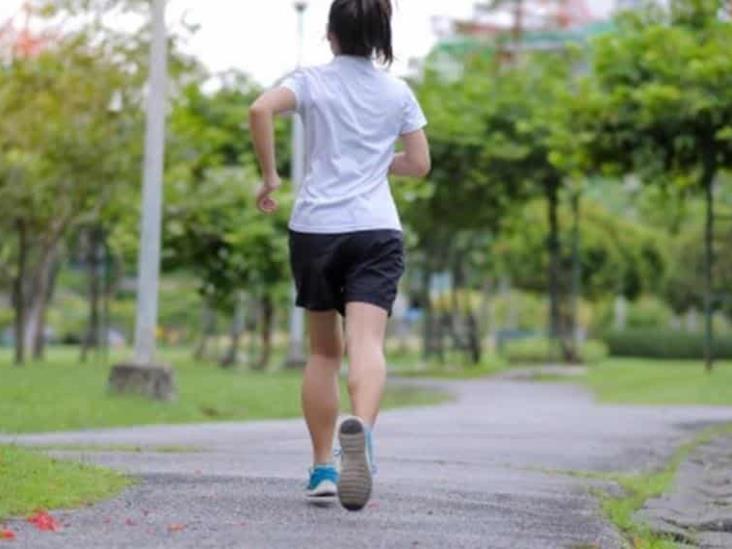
[{"x": 265, "y": 203}]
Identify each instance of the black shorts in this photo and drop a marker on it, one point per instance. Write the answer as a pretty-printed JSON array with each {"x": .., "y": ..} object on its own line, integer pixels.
[{"x": 331, "y": 270}]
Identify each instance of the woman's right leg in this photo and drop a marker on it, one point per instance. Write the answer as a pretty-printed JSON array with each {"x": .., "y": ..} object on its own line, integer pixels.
[
  {"x": 365, "y": 332},
  {"x": 320, "y": 391}
]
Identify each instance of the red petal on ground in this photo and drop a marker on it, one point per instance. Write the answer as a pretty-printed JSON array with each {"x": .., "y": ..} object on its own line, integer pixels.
[
  {"x": 43, "y": 521},
  {"x": 7, "y": 535},
  {"x": 130, "y": 522},
  {"x": 176, "y": 527}
]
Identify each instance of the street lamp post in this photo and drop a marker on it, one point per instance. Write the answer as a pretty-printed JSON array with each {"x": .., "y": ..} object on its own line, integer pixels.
[
  {"x": 296, "y": 353},
  {"x": 143, "y": 375}
]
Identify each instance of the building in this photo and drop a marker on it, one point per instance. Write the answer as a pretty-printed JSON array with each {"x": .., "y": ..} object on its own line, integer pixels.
[{"x": 500, "y": 32}]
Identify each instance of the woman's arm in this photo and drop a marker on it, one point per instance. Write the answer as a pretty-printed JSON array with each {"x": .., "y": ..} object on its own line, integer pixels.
[
  {"x": 261, "y": 123},
  {"x": 415, "y": 160}
]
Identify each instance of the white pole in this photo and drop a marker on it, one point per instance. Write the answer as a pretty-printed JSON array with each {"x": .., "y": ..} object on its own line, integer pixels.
[
  {"x": 149, "y": 255},
  {"x": 296, "y": 354}
]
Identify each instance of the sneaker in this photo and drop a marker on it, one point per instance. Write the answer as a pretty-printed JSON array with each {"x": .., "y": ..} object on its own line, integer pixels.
[
  {"x": 323, "y": 483},
  {"x": 354, "y": 486}
]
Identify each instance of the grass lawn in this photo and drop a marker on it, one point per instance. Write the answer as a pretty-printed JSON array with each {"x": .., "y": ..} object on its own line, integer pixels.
[
  {"x": 61, "y": 394},
  {"x": 645, "y": 381},
  {"x": 30, "y": 481}
]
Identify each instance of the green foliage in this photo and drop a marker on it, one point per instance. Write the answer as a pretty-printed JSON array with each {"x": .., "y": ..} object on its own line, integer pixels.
[
  {"x": 213, "y": 228},
  {"x": 664, "y": 343},
  {"x": 659, "y": 100},
  {"x": 684, "y": 288},
  {"x": 544, "y": 351},
  {"x": 30, "y": 481},
  {"x": 617, "y": 256},
  {"x": 74, "y": 155},
  {"x": 648, "y": 312}
]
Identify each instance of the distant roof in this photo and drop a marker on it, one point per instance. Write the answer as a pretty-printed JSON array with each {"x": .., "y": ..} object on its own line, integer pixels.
[{"x": 461, "y": 45}]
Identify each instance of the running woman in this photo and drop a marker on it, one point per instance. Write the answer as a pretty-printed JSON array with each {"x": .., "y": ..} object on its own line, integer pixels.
[{"x": 346, "y": 241}]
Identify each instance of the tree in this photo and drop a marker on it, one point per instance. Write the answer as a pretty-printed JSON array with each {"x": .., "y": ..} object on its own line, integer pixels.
[
  {"x": 659, "y": 104},
  {"x": 461, "y": 202},
  {"x": 66, "y": 164},
  {"x": 526, "y": 120},
  {"x": 212, "y": 225}
]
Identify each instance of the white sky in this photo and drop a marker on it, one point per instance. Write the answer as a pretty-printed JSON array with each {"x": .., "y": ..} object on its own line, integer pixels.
[{"x": 260, "y": 36}]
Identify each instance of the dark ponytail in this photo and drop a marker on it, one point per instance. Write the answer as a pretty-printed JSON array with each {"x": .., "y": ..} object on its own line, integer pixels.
[{"x": 363, "y": 28}]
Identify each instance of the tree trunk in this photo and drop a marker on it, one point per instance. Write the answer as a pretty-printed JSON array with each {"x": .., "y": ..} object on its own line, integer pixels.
[
  {"x": 39, "y": 347},
  {"x": 208, "y": 325},
  {"x": 267, "y": 311},
  {"x": 19, "y": 300},
  {"x": 93, "y": 260},
  {"x": 107, "y": 291},
  {"x": 427, "y": 316},
  {"x": 453, "y": 315},
  {"x": 708, "y": 184},
  {"x": 41, "y": 285},
  {"x": 572, "y": 346},
  {"x": 553, "y": 247},
  {"x": 486, "y": 326},
  {"x": 231, "y": 357}
]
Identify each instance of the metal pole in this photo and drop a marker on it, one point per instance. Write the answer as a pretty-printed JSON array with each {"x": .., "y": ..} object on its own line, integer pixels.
[
  {"x": 144, "y": 376},
  {"x": 149, "y": 255},
  {"x": 296, "y": 353}
]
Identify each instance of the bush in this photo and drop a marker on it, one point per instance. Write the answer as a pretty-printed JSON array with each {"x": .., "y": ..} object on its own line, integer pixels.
[
  {"x": 542, "y": 350},
  {"x": 660, "y": 343}
]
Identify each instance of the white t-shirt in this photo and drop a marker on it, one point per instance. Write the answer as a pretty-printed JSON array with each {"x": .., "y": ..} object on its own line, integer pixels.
[{"x": 353, "y": 114}]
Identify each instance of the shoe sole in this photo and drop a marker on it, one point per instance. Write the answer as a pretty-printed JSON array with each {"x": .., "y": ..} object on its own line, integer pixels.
[{"x": 354, "y": 486}]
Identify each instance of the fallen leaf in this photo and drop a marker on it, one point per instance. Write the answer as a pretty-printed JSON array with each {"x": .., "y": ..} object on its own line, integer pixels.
[
  {"x": 176, "y": 527},
  {"x": 43, "y": 521},
  {"x": 7, "y": 535}
]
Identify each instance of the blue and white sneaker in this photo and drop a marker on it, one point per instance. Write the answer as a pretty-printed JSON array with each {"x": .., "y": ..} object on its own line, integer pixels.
[
  {"x": 357, "y": 464},
  {"x": 323, "y": 484}
]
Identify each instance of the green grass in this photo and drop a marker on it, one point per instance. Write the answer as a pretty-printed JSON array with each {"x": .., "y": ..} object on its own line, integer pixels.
[
  {"x": 647, "y": 381},
  {"x": 61, "y": 394},
  {"x": 30, "y": 481},
  {"x": 118, "y": 448}
]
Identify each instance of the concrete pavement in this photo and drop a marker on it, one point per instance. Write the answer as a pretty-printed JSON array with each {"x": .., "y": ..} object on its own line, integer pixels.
[{"x": 478, "y": 472}]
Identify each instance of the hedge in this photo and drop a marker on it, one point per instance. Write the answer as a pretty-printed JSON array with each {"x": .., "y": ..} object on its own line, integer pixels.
[
  {"x": 540, "y": 350},
  {"x": 661, "y": 343}
]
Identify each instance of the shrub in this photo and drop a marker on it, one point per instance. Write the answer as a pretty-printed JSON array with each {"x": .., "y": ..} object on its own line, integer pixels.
[
  {"x": 540, "y": 350},
  {"x": 660, "y": 343}
]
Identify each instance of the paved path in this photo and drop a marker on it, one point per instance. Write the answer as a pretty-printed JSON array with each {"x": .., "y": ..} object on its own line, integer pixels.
[{"x": 475, "y": 473}]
